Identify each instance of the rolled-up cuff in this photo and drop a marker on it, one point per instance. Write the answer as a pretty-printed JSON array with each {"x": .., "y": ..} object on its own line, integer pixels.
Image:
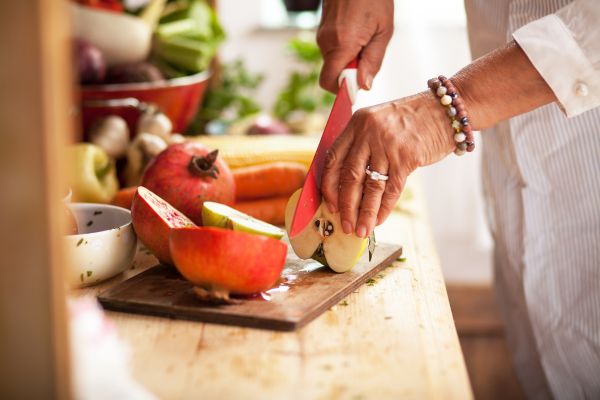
[{"x": 555, "y": 54}]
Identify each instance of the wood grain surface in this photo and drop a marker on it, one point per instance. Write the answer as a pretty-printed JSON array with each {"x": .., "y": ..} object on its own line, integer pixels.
[
  {"x": 393, "y": 338},
  {"x": 36, "y": 122},
  {"x": 306, "y": 290}
]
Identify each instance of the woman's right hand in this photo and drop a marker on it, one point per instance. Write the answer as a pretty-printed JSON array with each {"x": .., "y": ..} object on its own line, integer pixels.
[{"x": 351, "y": 28}]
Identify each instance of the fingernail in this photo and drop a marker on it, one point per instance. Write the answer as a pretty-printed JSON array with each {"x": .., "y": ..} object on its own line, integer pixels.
[
  {"x": 332, "y": 208},
  {"x": 347, "y": 227},
  {"x": 361, "y": 231},
  {"x": 369, "y": 82}
]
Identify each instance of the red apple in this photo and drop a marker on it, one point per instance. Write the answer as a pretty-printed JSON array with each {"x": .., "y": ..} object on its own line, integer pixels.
[
  {"x": 226, "y": 260},
  {"x": 153, "y": 219}
]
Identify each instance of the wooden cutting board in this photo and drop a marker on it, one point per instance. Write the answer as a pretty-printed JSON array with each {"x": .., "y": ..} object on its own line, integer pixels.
[{"x": 306, "y": 290}]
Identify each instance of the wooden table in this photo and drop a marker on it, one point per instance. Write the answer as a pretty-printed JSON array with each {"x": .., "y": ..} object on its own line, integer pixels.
[{"x": 391, "y": 339}]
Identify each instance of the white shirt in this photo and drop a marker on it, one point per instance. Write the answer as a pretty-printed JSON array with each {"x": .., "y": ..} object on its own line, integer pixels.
[
  {"x": 570, "y": 36},
  {"x": 541, "y": 174}
]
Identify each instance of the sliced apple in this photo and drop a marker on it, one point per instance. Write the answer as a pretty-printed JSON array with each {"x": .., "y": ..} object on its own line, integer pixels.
[
  {"x": 153, "y": 218},
  {"x": 324, "y": 240},
  {"x": 225, "y": 261},
  {"x": 305, "y": 244},
  {"x": 222, "y": 216}
]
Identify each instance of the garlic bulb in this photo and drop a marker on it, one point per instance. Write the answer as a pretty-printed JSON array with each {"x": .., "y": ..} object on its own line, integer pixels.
[
  {"x": 144, "y": 148},
  {"x": 111, "y": 134},
  {"x": 156, "y": 123}
]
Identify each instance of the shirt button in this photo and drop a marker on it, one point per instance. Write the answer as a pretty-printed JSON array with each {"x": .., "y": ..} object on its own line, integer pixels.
[{"x": 581, "y": 89}]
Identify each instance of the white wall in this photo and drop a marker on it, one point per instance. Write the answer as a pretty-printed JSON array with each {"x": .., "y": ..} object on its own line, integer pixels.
[{"x": 430, "y": 39}]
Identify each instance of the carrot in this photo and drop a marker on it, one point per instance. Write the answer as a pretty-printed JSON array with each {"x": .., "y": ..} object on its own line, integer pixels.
[
  {"x": 124, "y": 197},
  {"x": 268, "y": 180},
  {"x": 271, "y": 210}
]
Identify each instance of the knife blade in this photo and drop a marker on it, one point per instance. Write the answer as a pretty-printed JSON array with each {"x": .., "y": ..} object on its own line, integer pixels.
[{"x": 341, "y": 112}]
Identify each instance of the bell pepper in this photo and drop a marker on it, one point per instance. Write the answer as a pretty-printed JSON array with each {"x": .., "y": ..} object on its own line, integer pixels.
[{"x": 92, "y": 174}]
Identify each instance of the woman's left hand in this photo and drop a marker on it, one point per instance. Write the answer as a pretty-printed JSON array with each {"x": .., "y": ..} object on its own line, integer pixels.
[{"x": 393, "y": 139}]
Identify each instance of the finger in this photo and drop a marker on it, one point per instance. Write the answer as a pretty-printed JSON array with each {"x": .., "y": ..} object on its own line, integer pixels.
[
  {"x": 330, "y": 180},
  {"x": 372, "y": 193},
  {"x": 352, "y": 177},
  {"x": 371, "y": 58},
  {"x": 334, "y": 61},
  {"x": 391, "y": 194}
]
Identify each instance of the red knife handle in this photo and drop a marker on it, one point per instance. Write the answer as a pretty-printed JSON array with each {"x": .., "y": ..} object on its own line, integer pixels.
[{"x": 352, "y": 64}]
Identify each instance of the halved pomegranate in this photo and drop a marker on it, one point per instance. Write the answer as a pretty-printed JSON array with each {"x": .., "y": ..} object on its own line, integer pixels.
[
  {"x": 153, "y": 218},
  {"x": 226, "y": 261}
]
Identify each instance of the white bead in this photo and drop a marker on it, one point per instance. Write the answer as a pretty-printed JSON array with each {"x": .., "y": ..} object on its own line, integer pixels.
[
  {"x": 441, "y": 91},
  {"x": 459, "y": 152},
  {"x": 446, "y": 100},
  {"x": 460, "y": 137},
  {"x": 451, "y": 112},
  {"x": 456, "y": 125}
]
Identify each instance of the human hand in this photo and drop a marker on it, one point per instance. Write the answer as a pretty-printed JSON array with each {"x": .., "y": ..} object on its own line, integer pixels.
[
  {"x": 392, "y": 138},
  {"x": 351, "y": 28}
]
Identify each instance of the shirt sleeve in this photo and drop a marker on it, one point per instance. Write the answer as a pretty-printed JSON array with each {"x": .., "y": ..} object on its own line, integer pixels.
[{"x": 565, "y": 49}]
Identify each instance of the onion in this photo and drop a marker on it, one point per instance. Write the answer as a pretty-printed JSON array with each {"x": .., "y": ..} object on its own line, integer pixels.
[{"x": 90, "y": 63}]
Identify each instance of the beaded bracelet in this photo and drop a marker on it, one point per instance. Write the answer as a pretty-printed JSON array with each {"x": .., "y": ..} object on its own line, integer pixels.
[{"x": 455, "y": 108}]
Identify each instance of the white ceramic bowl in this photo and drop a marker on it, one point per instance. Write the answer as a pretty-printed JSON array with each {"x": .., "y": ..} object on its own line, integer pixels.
[{"x": 105, "y": 245}]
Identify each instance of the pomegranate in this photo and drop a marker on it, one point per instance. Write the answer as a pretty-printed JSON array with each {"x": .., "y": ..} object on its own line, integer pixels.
[
  {"x": 188, "y": 174},
  {"x": 153, "y": 218},
  {"x": 223, "y": 260}
]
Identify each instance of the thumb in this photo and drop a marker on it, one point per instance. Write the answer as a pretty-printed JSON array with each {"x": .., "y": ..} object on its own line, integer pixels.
[{"x": 371, "y": 59}]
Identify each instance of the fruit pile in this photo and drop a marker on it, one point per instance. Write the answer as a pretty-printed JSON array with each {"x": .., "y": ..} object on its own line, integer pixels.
[
  {"x": 185, "y": 213},
  {"x": 181, "y": 214}
]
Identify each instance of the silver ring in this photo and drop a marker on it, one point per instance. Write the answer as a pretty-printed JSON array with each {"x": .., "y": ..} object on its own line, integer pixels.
[{"x": 376, "y": 176}]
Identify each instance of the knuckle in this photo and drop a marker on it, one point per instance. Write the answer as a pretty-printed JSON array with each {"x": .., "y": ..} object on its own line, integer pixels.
[
  {"x": 347, "y": 210},
  {"x": 366, "y": 114},
  {"x": 331, "y": 37},
  {"x": 331, "y": 159},
  {"x": 350, "y": 174},
  {"x": 369, "y": 211},
  {"x": 393, "y": 188},
  {"x": 374, "y": 187}
]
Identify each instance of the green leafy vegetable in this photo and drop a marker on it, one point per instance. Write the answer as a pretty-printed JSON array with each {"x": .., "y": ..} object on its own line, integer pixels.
[
  {"x": 186, "y": 38},
  {"x": 233, "y": 95},
  {"x": 302, "y": 91}
]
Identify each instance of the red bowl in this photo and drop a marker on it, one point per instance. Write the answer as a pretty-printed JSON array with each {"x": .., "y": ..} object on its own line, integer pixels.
[{"x": 178, "y": 98}]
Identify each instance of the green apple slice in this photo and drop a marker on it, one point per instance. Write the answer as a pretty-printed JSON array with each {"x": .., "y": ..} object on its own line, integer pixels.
[{"x": 222, "y": 216}]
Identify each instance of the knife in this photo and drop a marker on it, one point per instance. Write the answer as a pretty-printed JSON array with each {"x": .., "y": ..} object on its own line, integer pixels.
[{"x": 341, "y": 112}]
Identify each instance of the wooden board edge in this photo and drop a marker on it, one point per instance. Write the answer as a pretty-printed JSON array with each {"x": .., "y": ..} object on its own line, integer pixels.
[{"x": 237, "y": 320}]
